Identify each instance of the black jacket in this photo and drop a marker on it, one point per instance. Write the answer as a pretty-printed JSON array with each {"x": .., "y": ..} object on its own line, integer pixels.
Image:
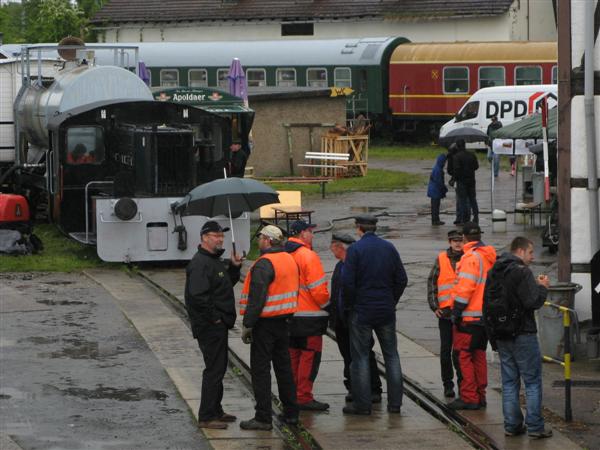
[
  {"x": 209, "y": 290},
  {"x": 464, "y": 165},
  {"x": 335, "y": 315},
  {"x": 522, "y": 286},
  {"x": 263, "y": 275}
]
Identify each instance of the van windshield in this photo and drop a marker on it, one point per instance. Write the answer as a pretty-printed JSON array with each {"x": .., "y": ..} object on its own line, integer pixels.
[{"x": 469, "y": 111}]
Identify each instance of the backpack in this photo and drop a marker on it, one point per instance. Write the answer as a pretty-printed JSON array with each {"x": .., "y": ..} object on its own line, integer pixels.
[{"x": 502, "y": 315}]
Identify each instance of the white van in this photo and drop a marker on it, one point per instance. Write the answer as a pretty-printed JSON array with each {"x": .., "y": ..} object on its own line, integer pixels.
[{"x": 509, "y": 103}]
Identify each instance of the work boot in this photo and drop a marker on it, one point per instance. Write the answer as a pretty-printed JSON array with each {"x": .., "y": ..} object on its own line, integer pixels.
[
  {"x": 227, "y": 418},
  {"x": 348, "y": 398},
  {"x": 521, "y": 429},
  {"x": 313, "y": 405},
  {"x": 289, "y": 420},
  {"x": 437, "y": 222},
  {"x": 254, "y": 424},
  {"x": 460, "y": 404},
  {"x": 351, "y": 410},
  {"x": 449, "y": 392},
  {"x": 545, "y": 433},
  {"x": 212, "y": 424},
  {"x": 375, "y": 398},
  {"x": 393, "y": 409}
]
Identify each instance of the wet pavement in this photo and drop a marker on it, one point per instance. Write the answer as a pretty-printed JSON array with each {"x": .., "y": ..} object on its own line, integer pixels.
[{"x": 75, "y": 374}]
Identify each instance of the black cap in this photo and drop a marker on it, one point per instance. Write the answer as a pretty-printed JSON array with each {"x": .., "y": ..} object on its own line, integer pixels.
[
  {"x": 455, "y": 234},
  {"x": 344, "y": 238},
  {"x": 471, "y": 228},
  {"x": 212, "y": 227},
  {"x": 365, "y": 219},
  {"x": 300, "y": 225}
]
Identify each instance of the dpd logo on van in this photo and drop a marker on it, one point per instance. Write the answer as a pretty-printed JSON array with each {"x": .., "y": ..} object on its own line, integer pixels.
[{"x": 519, "y": 108}]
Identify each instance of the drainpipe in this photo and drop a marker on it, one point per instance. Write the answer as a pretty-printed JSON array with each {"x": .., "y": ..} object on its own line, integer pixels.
[{"x": 590, "y": 127}]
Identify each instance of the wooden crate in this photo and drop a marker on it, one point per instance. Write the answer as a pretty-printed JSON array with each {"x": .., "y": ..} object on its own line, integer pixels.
[{"x": 356, "y": 146}]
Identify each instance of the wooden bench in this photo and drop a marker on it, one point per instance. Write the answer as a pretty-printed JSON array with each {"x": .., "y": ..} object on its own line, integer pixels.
[
  {"x": 300, "y": 180},
  {"x": 327, "y": 163}
]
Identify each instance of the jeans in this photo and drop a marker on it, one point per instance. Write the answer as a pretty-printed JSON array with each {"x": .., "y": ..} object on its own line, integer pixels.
[
  {"x": 466, "y": 200},
  {"x": 496, "y": 161},
  {"x": 521, "y": 358},
  {"x": 212, "y": 340},
  {"x": 361, "y": 336}
]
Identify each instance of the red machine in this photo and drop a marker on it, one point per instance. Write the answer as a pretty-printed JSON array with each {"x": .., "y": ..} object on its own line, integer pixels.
[
  {"x": 14, "y": 209},
  {"x": 430, "y": 82}
]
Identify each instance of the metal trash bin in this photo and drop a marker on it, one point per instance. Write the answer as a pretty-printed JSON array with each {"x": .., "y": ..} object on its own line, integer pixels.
[
  {"x": 593, "y": 343},
  {"x": 550, "y": 320}
]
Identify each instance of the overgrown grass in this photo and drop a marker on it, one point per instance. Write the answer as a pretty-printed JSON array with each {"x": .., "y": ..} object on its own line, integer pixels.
[
  {"x": 376, "y": 180},
  {"x": 424, "y": 152},
  {"x": 60, "y": 254}
]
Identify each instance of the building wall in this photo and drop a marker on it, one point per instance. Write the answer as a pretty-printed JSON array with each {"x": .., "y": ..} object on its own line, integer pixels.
[
  {"x": 270, "y": 155},
  {"x": 510, "y": 26}
]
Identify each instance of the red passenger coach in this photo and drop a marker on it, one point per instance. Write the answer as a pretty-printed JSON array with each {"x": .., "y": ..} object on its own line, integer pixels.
[{"x": 430, "y": 82}]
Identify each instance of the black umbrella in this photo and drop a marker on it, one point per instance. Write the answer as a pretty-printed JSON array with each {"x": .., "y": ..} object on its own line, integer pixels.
[
  {"x": 467, "y": 134},
  {"x": 226, "y": 197}
]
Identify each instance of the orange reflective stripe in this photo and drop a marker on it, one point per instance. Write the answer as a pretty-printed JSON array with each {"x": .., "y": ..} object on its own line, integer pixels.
[{"x": 445, "y": 281}]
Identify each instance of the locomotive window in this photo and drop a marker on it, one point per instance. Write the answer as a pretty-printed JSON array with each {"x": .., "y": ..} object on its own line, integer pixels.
[
  {"x": 554, "y": 74},
  {"x": 256, "y": 77},
  {"x": 342, "y": 77},
  {"x": 286, "y": 77},
  {"x": 85, "y": 145},
  {"x": 456, "y": 80},
  {"x": 491, "y": 76},
  {"x": 197, "y": 78},
  {"x": 222, "y": 80},
  {"x": 169, "y": 78},
  {"x": 316, "y": 77},
  {"x": 469, "y": 111},
  {"x": 528, "y": 75}
]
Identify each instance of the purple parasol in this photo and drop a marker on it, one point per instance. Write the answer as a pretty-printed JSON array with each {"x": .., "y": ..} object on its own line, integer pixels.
[
  {"x": 144, "y": 73},
  {"x": 237, "y": 80}
]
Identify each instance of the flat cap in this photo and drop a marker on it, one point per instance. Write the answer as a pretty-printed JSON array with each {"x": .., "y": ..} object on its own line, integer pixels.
[
  {"x": 272, "y": 232},
  {"x": 365, "y": 219},
  {"x": 344, "y": 238},
  {"x": 211, "y": 226},
  {"x": 471, "y": 228},
  {"x": 454, "y": 234}
]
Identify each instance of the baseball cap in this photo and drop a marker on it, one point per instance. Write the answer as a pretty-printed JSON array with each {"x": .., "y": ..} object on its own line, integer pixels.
[
  {"x": 299, "y": 226},
  {"x": 272, "y": 232},
  {"x": 471, "y": 228},
  {"x": 455, "y": 234},
  {"x": 212, "y": 227},
  {"x": 344, "y": 238}
]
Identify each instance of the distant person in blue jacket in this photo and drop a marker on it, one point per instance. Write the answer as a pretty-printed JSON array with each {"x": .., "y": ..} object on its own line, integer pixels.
[
  {"x": 436, "y": 190},
  {"x": 373, "y": 281}
]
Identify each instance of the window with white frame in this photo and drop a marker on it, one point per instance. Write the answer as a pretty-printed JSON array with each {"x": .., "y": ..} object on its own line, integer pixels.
[
  {"x": 256, "y": 77},
  {"x": 456, "y": 80},
  {"x": 526, "y": 75},
  {"x": 491, "y": 76},
  {"x": 169, "y": 78},
  {"x": 285, "y": 77},
  {"x": 316, "y": 77},
  {"x": 342, "y": 77},
  {"x": 554, "y": 75},
  {"x": 222, "y": 80},
  {"x": 197, "y": 78}
]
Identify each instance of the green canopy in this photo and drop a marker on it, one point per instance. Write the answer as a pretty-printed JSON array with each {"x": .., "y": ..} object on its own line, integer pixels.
[{"x": 528, "y": 128}]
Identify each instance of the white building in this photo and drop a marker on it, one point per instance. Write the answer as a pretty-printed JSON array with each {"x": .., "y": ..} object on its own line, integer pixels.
[{"x": 219, "y": 20}]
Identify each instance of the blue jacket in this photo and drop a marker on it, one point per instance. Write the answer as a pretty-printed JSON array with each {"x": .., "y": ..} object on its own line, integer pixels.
[
  {"x": 373, "y": 280},
  {"x": 437, "y": 188}
]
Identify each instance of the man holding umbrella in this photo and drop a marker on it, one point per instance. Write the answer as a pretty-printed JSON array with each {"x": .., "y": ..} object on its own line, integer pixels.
[{"x": 210, "y": 304}]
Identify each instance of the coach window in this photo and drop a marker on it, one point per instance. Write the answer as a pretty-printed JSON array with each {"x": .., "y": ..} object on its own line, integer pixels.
[
  {"x": 169, "y": 78},
  {"x": 222, "y": 80},
  {"x": 316, "y": 77},
  {"x": 286, "y": 77},
  {"x": 456, "y": 80},
  {"x": 469, "y": 111},
  {"x": 554, "y": 75},
  {"x": 197, "y": 78},
  {"x": 256, "y": 77},
  {"x": 85, "y": 145},
  {"x": 491, "y": 76},
  {"x": 528, "y": 75},
  {"x": 342, "y": 77}
]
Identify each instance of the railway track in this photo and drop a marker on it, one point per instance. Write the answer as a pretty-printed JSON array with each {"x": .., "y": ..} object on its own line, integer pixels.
[{"x": 298, "y": 437}]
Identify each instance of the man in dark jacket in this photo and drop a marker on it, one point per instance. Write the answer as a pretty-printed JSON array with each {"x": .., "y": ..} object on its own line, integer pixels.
[
  {"x": 373, "y": 282},
  {"x": 464, "y": 165},
  {"x": 492, "y": 157},
  {"x": 339, "y": 322},
  {"x": 210, "y": 304},
  {"x": 520, "y": 357}
]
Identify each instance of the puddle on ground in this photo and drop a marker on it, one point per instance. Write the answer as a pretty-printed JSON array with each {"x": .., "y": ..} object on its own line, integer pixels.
[
  {"x": 40, "y": 340},
  {"x": 110, "y": 393},
  {"x": 57, "y": 282},
  {"x": 84, "y": 350},
  {"x": 60, "y": 302},
  {"x": 366, "y": 209}
]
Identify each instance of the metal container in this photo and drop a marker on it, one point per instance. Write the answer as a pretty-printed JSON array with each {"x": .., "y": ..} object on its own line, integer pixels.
[{"x": 499, "y": 221}]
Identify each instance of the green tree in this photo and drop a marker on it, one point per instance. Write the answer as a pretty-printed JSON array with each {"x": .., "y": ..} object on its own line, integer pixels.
[
  {"x": 11, "y": 23},
  {"x": 57, "y": 19}
]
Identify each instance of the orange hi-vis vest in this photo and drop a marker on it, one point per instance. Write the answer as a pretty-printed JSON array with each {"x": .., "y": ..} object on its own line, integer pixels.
[
  {"x": 471, "y": 274},
  {"x": 445, "y": 281},
  {"x": 282, "y": 295}
]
